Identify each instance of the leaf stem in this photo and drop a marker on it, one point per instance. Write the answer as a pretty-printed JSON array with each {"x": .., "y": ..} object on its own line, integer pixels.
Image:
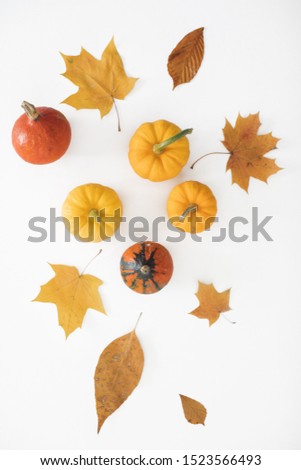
[
  {"x": 226, "y": 318},
  {"x": 118, "y": 117},
  {"x": 159, "y": 148},
  {"x": 206, "y": 154},
  {"x": 90, "y": 262},
  {"x": 137, "y": 321}
]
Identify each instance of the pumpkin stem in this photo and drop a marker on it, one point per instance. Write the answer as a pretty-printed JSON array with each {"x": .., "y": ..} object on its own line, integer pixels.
[
  {"x": 145, "y": 269},
  {"x": 187, "y": 211},
  {"x": 30, "y": 110},
  {"x": 90, "y": 262},
  {"x": 159, "y": 148},
  {"x": 211, "y": 153},
  {"x": 118, "y": 117},
  {"x": 94, "y": 213}
]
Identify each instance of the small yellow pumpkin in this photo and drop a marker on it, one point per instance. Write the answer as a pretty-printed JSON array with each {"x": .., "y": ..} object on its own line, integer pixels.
[
  {"x": 159, "y": 150},
  {"x": 93, "y": 211},
  {"x": 191, "y": 207}
]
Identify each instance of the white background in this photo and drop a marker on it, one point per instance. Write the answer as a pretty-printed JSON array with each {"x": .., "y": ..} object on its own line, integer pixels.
[{"x": 248, "y": 374}]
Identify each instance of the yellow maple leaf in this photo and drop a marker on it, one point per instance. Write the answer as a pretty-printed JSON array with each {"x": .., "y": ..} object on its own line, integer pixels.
[
  {"x": 73, "y": 293},
  {"x": 247, "y": 151},
  {"x": 100, "y": 82},
  {"x": 212, "y": 302}
]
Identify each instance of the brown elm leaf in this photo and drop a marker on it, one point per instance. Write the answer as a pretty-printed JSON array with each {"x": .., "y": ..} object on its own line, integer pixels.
[
  {"x": 194, "y": 411},
  {"x": 117, "y": 374},
  {"x": 186, "y": 58}
]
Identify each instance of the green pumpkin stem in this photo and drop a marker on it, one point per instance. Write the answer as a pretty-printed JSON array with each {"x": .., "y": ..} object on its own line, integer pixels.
[
  {"x": 159, "y": 148},
  {"x": 30, "y": 110},
  {"x": 187, "y": 211},
  {"x": 94, "y": 213}
]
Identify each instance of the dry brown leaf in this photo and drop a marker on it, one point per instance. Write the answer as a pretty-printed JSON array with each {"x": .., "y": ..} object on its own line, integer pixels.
[
  {"x": 73, "y": 293},
  {"x": 117, "y": 374},
  {"x": 247, "y": 151},
  {"x": 194, "y": 411},
  {"x": 212, "y": 303},
  {"x": 186, "y": 58},
  {"x": 100, "y": 82}
]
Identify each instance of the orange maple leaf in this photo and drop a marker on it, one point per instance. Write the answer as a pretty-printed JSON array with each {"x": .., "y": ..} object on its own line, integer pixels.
[
  {"x": 212, "y": 302},
  {"x": 247, "y": 151}
]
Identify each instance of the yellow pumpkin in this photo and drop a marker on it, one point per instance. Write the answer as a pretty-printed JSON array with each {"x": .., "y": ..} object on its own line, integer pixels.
[
  {"x": 159, "y": 150},
  {"x": 88, "y": 208},
  {"x": 191, "y": 207}
]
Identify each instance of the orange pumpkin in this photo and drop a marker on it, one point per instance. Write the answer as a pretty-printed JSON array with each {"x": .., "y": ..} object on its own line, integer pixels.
[
  {"x": 159, "y": 150},
  {"x": 93, "y": 212},
  {"x": 146, "y": 267},
  {"x": 191, "y": 207},
  {"x": 41, "y": 135}
]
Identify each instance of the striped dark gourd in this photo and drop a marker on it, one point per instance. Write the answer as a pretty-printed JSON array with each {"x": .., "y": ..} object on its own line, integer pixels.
[{"x": 146, "y": 267}]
